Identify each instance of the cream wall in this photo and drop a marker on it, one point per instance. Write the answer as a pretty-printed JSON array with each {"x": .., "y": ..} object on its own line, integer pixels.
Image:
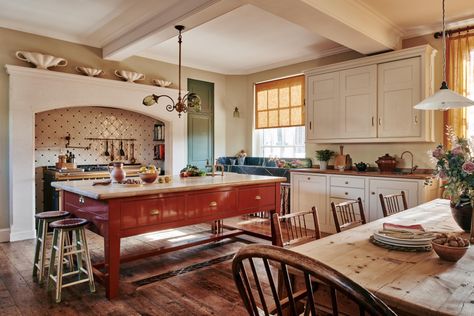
[
  {"x": 366, "y": 152},
  {"x": 78, "y": 55}
]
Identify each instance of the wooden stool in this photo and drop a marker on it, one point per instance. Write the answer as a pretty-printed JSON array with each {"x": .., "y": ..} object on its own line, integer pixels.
[
  {"x": 44, "y": 219},
  {"x": 77, "y": 248}
]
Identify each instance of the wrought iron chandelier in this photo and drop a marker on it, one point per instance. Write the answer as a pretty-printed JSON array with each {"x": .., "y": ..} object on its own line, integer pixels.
[
  {"x": 445, "y": 98},
  {"x": 188, "y": 101}
]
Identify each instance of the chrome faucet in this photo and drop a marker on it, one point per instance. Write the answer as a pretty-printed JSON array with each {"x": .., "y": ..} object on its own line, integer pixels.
[{"x": 413, "y": 168}]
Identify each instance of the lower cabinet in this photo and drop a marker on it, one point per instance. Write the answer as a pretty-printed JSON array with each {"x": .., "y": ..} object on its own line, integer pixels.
[{"x": 308, "y": 189}]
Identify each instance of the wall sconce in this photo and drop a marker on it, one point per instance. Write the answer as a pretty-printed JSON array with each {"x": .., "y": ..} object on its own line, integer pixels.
[{"x": 236, "y": 112}]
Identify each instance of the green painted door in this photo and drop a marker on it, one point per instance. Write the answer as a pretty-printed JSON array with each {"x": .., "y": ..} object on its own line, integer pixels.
[{"x": 201, "y": 125}]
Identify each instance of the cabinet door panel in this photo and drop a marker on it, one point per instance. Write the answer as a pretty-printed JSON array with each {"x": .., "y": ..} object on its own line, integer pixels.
[
  {"x": 399, "y": 88},
  {"x": 309, "y": 190},
  {"x": 358, "y": 102},
  {"x": 323, "y": 96},
  {"x": 385, "y": 187}
]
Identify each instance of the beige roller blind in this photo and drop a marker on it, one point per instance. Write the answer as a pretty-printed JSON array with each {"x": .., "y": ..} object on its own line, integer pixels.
[{"x": 280, "y": 103}]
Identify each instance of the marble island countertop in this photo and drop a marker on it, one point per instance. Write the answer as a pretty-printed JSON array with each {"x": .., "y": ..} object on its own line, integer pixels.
[
  {"x": 177, "y": 184},
  {"x": 415, "y": 176}
]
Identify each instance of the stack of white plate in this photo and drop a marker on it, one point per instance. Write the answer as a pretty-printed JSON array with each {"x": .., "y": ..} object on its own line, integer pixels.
[{"x": 403, "y": 240}]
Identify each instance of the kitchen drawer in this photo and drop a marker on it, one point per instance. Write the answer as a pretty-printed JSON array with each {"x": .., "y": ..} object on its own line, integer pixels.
[
  {"x": 208, "y": 204},
  {"x": 76, "y": 201},
  {"x": 139, "y": 213},
  {"x": 258, "y": 198},
  {"x": 347, "y": 193},
  {"x": 352, "y": 182}
]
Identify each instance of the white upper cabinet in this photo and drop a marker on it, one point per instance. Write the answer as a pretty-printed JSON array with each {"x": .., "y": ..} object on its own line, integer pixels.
[
  {"x": 371, "y": 99},
  {"x": 399, "y": 89}
]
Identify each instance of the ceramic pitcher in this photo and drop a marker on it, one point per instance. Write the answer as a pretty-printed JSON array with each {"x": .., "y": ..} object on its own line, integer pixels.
[{"x": 117, "y": 173}]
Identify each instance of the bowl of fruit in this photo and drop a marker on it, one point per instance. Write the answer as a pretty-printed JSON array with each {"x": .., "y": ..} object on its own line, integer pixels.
[
  {"x": 450, "y": 247},
  {"x": 148, "y": 174}
]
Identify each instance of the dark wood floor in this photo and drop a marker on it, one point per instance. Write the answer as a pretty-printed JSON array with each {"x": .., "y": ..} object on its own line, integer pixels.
[{"x": 195, "y": 281}]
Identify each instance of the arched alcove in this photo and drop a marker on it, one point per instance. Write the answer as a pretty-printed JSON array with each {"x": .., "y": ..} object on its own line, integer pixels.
[{"x": 34, "y": 90}]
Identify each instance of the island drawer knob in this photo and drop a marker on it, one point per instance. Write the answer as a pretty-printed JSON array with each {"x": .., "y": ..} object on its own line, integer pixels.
[
  {"x": 154, "y": 212},
  {"x": 213, "y": 204},
  {"x": 258, "y": 197},
  {"x": 81, "y": 199},
  {"x": 347, "y": 182},
  {"x": 346, "y": 193}
]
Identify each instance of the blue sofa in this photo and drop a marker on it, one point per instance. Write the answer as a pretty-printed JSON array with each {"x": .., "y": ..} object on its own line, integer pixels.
[{"x": 265, "y": 166}]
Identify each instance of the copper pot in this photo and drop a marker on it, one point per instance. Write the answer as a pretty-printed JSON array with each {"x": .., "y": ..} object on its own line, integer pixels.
[{"x": 386, "y": 163}]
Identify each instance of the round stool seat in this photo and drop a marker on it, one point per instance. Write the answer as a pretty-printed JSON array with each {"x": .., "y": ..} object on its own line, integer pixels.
[
  {"x": 52, "y": 215},
  {"x": 69, "y": 223}
]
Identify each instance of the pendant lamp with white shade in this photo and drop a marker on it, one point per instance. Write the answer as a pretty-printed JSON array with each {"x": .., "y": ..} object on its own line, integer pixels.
[{"x": 445, "y": 98}]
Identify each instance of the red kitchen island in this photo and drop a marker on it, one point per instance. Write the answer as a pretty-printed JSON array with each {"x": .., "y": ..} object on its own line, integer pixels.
[{"x": 117, "y": 211}]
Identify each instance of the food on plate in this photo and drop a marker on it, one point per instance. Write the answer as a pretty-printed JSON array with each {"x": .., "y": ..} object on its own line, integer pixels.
[{"x": 191, "y": 171}]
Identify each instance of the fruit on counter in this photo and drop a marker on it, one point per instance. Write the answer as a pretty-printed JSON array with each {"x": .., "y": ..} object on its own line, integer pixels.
[
  {"x": 191, "y": 171},
  {"x": 149, "y": 169}
]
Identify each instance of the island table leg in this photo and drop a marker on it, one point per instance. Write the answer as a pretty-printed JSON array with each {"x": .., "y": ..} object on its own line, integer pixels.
[{"x": 112, "y": 253}]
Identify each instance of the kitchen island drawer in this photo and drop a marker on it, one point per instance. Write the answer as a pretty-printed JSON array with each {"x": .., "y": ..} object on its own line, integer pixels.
[
  {"x": 208, "y": 204},
  {"x": 258, "y": 198},
  {"x": 352, "y": 182},
  {"x": 139, "y": 213},
  {"x": 347, "y": 193}
]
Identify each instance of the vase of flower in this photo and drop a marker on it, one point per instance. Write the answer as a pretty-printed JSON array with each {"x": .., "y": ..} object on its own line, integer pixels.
[{"x": 455, "y": 168}]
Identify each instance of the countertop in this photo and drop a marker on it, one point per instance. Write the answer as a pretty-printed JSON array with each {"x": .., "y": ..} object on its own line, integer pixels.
[
  {"x": 115, "y": 190},
  {"x": 413, "y": 176}
]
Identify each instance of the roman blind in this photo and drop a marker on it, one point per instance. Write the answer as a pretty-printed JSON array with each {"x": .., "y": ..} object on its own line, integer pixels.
[{"x": 280, "y": 103}]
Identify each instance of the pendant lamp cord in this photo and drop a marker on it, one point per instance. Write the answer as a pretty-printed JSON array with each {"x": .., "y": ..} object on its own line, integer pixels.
[
  {"x": 179, "y": 67},
  {"x": 444, "y": 46}
]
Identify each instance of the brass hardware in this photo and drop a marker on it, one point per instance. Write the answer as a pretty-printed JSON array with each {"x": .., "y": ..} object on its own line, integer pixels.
[
  {"x": 213, "y": 204},
  {"x": 258, "y": 197},
  {"x": 155, "y": 212},
  {"x": 347, "y": 182},
  {"x": 346, "y": 193},
  {"x": 373, "y": 193},
  {"x": 416, "y": 119},
  {"x": 380, "y": 121},
  {"x": 372, "y": 121},
  {"x": 309, "y": 124},
  {"x": 309, "y": 178},
  {"x": 81, "y": 199}
]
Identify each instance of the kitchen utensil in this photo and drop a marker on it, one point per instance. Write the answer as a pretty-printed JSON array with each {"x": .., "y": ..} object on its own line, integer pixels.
[
  {"x": 386, "y": 163},
  {"x": 127, "y": 150},
  {"x": 132, "y": 148},
  {"x": 340, "y": 159},
  {"x": 106, "y": 182},
  {"x": 112, "y": 152},
  {"x": 106, "y": 148},
  {"x": 121, "y": 151},
  {"x": 348, "y": 165}
]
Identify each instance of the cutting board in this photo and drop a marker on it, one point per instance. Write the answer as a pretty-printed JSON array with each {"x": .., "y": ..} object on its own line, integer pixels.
[{"x": 340, "y": 159}]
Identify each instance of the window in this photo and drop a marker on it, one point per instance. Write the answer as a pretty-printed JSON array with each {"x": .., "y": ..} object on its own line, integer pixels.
[
  {"x": 280, "y": 103},
  {"x": 283, "y": 142},
  {"x": 279, "y": 118},
  {"x": 470, "y": 95}
]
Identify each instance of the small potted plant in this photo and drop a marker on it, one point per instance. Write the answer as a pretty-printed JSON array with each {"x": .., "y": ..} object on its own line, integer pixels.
[{"x": 323, "y": 156}]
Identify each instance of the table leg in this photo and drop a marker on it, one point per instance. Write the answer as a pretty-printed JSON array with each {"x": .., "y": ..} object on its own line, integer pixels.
[{"x": 112, "y": 252}]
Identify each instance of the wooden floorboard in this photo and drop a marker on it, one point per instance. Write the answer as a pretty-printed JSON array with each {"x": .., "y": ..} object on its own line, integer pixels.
[{"x": 208, "y": 290}]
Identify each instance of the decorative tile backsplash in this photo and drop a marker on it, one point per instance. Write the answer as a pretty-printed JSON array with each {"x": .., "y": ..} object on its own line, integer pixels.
[{"x": 51, "y": 128}]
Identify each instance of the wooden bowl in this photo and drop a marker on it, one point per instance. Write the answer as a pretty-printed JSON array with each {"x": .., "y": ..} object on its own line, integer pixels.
[
  {"x": 148, "y": 177},
  {"x": 448, "y": 253}
]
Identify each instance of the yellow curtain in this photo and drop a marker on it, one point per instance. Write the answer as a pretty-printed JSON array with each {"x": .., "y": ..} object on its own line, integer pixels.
[{"x": 459, "y": 75}]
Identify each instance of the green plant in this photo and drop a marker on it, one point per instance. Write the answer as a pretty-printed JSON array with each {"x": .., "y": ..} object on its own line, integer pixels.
[{"x": 324, "y": 154}]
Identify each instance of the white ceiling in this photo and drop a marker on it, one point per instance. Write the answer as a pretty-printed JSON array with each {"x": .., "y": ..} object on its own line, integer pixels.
[
  {"x": 247, "y": 39},
  {"x": 233, "y": 36}
]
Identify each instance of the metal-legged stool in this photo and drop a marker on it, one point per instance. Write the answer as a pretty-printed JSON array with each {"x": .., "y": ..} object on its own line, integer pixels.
[
  {"x": 44, "y": 219},
  {"x": 78, "y": 248}
]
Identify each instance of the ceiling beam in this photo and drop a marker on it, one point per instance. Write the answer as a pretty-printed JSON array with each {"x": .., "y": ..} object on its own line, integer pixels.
[
  {"x": 350, "y": 23},
  {"x": 160, "y": 28}
]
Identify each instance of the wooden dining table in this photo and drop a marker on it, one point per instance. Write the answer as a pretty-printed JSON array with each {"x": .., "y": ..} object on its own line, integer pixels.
[{"x": 412, "y": 283}]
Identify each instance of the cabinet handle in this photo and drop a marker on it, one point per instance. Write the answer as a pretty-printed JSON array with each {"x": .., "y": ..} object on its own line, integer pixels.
[
  {"x": 380, "y": 121},
  {"x": 416, "y": 119},
  {"x": 309, "y": 124},
  {"x": 155, "y": 212},
  {"x": 81, "y": 199},
  {"x": 258, "y": 197},
  {"x": 346, "y": 193},
  {"x": 372, "y": 121},
  {"x": 347, "y": 182},
  {"x": 213, "y": 204},
  {"x": 309, "y": 178},
  {"x": 373, "y": 193}
]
